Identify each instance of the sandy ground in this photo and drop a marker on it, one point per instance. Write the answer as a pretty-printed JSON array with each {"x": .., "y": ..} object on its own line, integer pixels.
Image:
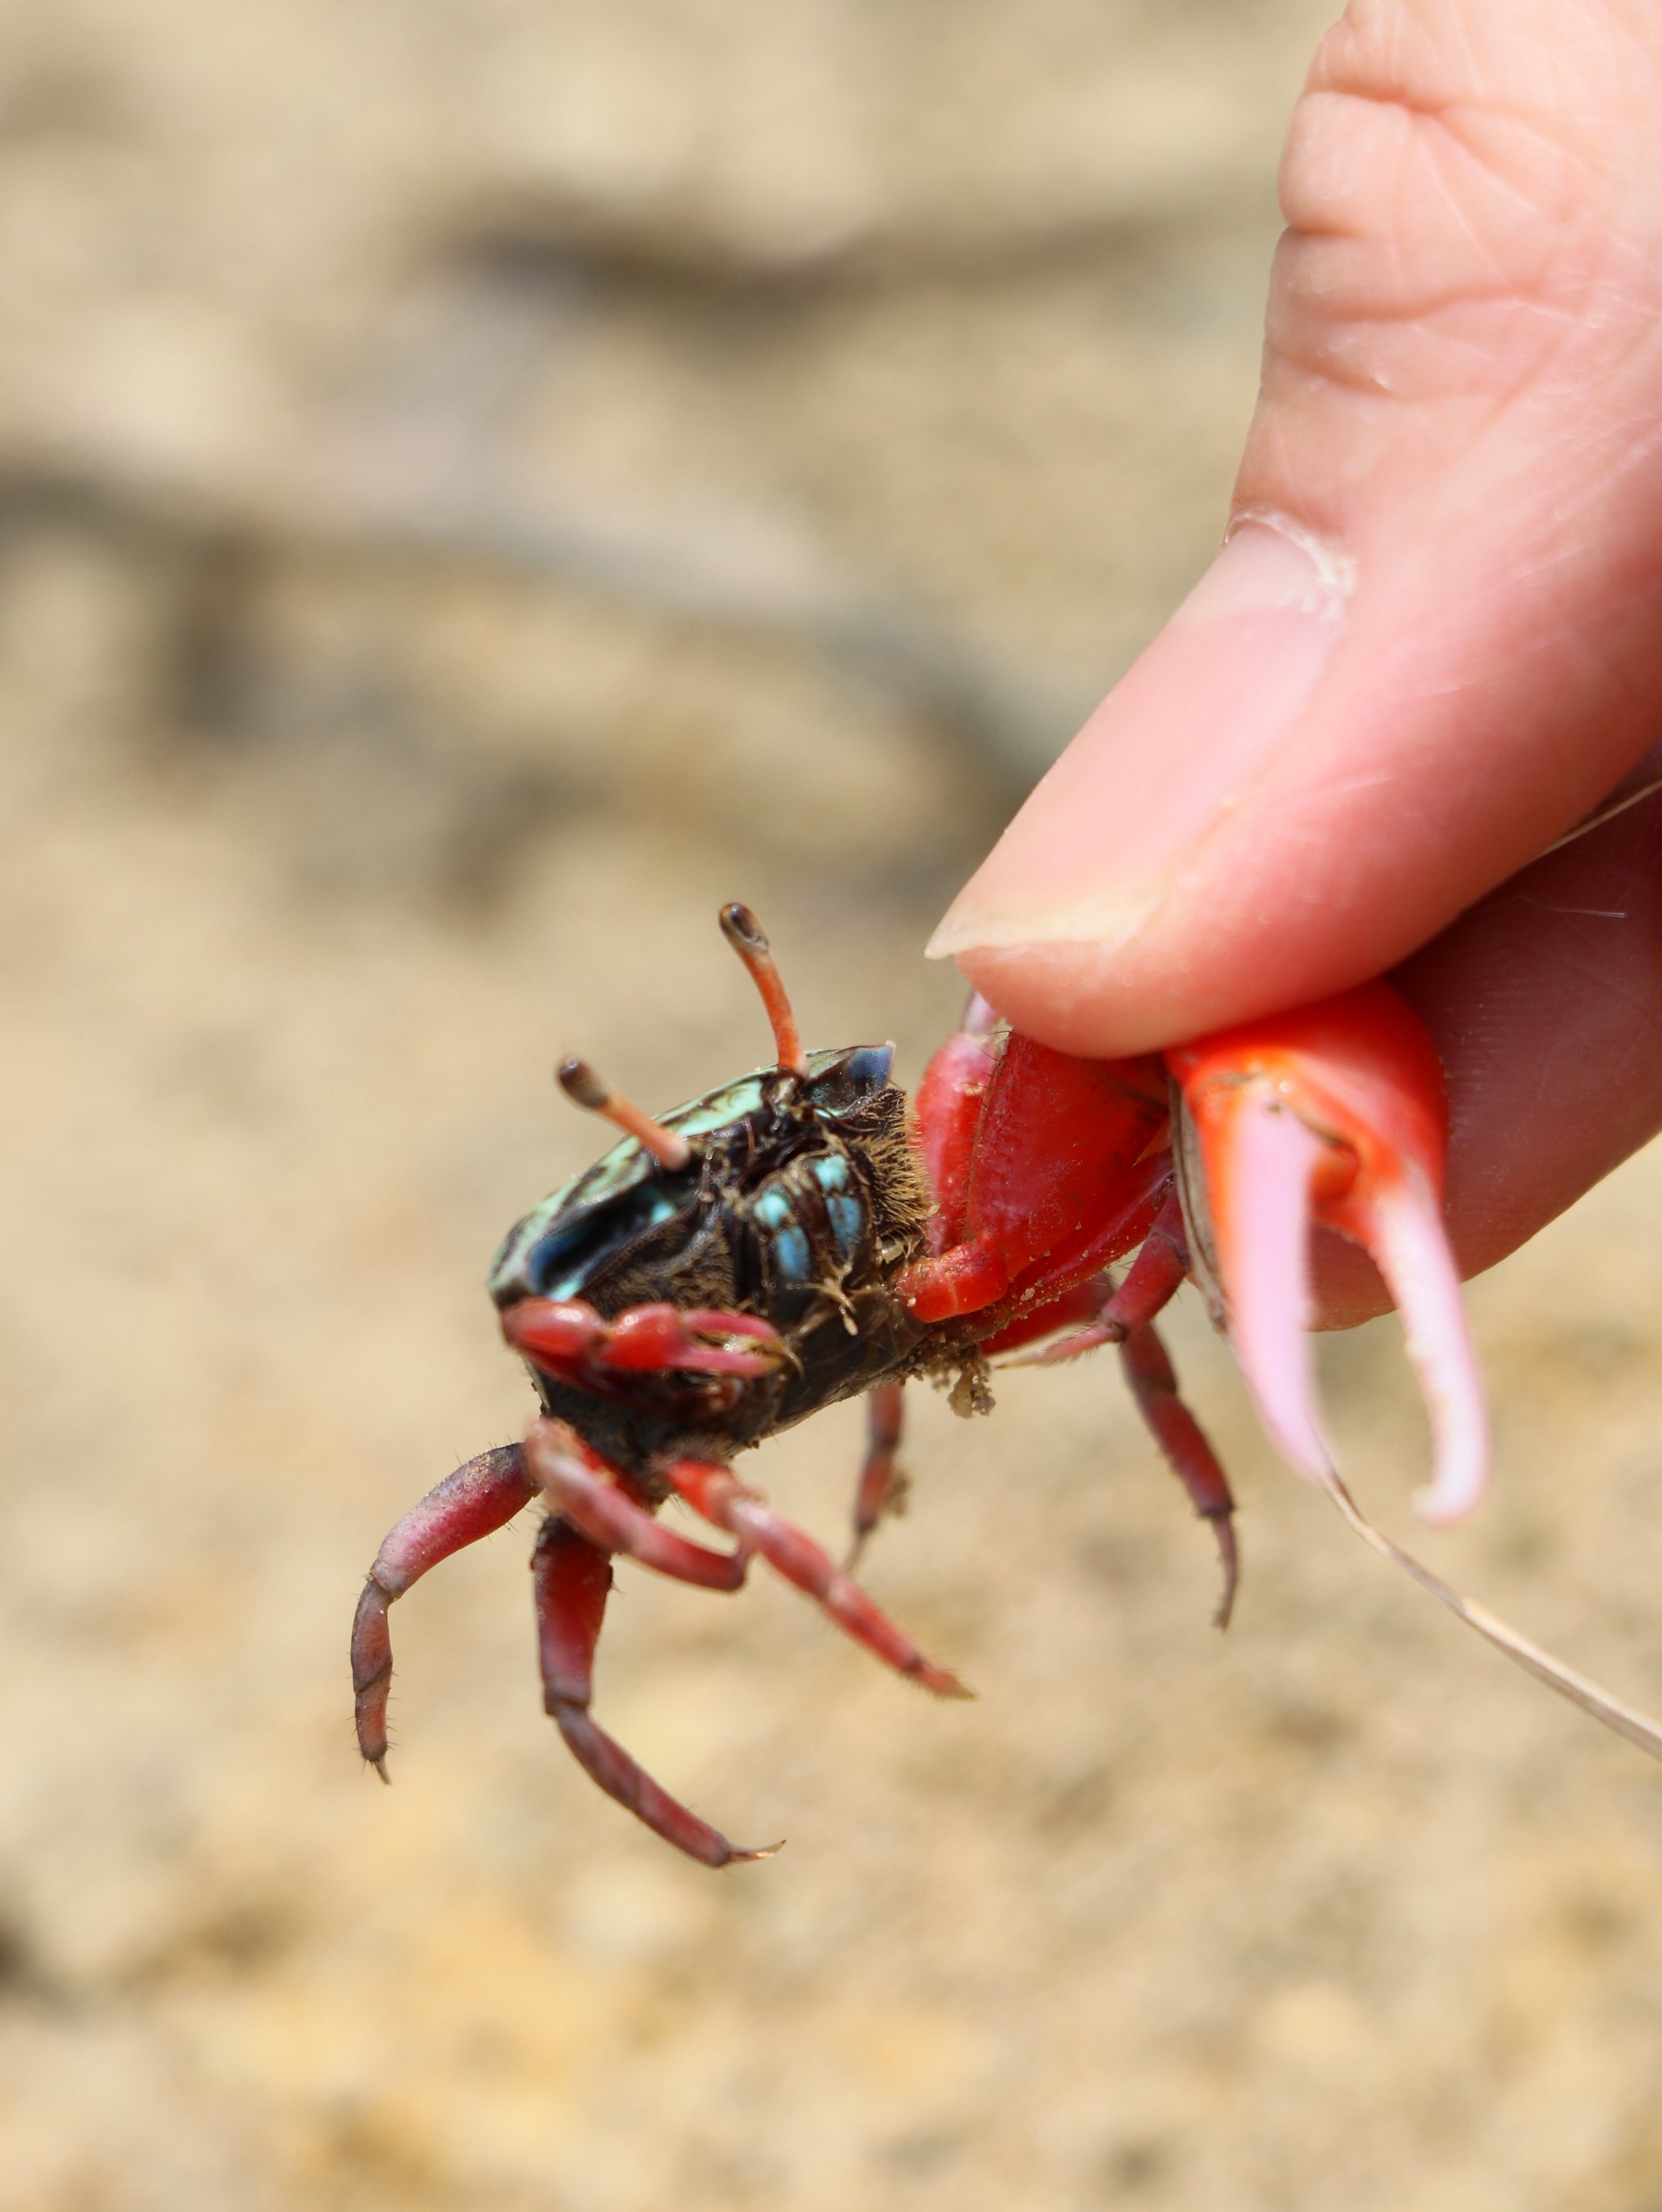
[{"x": 481, "y": 486}]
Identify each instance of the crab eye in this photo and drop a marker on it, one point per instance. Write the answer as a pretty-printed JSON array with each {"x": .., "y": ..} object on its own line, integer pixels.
[{"x": 853, "y": 1077}]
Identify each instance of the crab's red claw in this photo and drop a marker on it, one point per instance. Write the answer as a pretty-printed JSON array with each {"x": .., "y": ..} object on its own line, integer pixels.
[
  {"x": 651, "y": 1337},
  {"x": 1334, "y": 1114},
  {"x": 562, "y": 1334}
]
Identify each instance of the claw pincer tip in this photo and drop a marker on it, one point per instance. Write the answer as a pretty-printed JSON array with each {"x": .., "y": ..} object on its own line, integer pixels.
[{"x": 1334, "y": 1115}]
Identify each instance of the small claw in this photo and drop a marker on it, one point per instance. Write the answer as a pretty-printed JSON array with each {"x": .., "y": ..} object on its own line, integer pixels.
[
  {"x": 660, "y": 1336},
  {"x": 768, "y": 1346},
  {"x": 558, "y": 1331},
  {"x": 710, "y": 1320},
  {"x": 1333, "y": 1114},
  {"x": 561, "y": 1333}
]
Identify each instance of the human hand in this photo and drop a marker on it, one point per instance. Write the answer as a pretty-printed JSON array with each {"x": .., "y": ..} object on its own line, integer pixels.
[{"x": 1432, "y": 641}]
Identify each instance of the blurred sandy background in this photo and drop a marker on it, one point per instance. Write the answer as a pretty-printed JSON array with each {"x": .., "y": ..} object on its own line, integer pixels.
[{"x": 478, "y": 485}]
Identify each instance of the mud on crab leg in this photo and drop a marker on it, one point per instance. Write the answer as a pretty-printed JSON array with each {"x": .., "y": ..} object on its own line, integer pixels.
[
  {"x": 717, "y": 1492},
  {"x": 1152, "y": 1281},
  {"x": 1334, "y": 1115},
  {"x": 479, "y": 1498},
  {"x": 571, "y": 1579}
]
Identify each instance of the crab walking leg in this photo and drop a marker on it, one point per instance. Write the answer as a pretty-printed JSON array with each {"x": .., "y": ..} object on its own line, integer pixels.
[
  {"x": 1123, "y": 1318},
  {"x": 578, "y": 1483},
  {"x": 1334, "y": 1114},
  {"x": 1153, "y": 1384},
  {"x": 717, "y": 1492},
  {"x": 571, "y": 1578},
  {"x": 475, "y": 1501},
  {"x": 881, "y": 1485}
]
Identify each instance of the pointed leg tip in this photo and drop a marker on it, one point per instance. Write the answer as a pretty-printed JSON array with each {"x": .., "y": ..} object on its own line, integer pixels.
[
  {"x": 380, "y": 1767},
  {"x": 1229, "y": 1559},
  {"x": 742, "y": 1856},
  {"x": 943, "y": 1682}
]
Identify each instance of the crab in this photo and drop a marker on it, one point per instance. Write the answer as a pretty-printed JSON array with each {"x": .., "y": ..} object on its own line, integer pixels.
[{"x": 801, "y": 1236}]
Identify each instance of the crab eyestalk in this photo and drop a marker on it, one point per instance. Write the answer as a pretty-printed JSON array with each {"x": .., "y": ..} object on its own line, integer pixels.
[
  {"x": 585, "y": 1088},
  {"x": 749, "y": 940},
  {"x": 1333, "y": 1114}
]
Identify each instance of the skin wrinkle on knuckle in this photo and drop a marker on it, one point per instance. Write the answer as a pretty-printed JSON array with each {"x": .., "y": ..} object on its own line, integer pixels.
[
  {"x": 1507, "y": 243},
  {"x": 1520, "y": 166},
  {"x": 1511, "y": 55}
]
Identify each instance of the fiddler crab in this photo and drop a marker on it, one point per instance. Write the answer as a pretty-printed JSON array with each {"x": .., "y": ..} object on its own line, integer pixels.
[{"x": 802, "y": 1235}]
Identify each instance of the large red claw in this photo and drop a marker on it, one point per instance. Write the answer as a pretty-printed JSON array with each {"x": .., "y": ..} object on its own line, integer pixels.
[{"x": 1334, "y": 1114}]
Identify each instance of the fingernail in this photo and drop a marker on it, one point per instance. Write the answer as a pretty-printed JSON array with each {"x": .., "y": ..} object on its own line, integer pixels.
[{"x": 1169, "y": 755}]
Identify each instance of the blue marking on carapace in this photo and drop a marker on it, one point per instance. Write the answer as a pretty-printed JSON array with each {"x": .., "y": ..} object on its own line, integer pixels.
[
  {"x": 848, "y": 1218},
  {"x": 790, "y": 1252},
  {"x": 830, "y": 1172},
  {"x": 772, "y": 1210}
]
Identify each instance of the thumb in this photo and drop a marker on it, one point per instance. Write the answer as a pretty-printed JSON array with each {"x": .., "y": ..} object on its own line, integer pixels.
[{"x": 1434, "y": 636}]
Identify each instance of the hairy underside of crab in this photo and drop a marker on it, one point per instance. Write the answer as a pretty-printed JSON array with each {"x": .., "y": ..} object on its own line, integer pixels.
[{"x": 785, "y": 1211}]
